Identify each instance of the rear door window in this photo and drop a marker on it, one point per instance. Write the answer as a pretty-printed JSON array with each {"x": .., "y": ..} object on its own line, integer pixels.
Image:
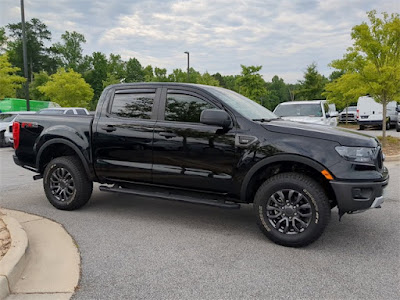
[{"x": 138, "y": 105}]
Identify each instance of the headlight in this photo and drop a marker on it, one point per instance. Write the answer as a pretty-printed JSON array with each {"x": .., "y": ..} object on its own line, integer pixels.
[{"x": 357, "y": 154}]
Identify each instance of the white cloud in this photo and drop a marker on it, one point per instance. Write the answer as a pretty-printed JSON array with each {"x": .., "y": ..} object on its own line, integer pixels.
[{"x": 282, "y": 36}]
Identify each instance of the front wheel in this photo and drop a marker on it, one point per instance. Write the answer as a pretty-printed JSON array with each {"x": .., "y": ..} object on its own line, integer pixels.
[
  {"x": 66, "y": 183},
  {"x": 291, "y": 209}
]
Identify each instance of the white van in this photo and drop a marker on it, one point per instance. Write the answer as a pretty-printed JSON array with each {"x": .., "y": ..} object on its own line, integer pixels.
[
  {"x": 312, "y": 111},
  {"x": 370, "y": 112}
]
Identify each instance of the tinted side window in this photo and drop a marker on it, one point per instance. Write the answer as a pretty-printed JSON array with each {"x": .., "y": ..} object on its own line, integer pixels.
[
  {"x": 133, "y": 105},
  {"x": 69, "y": 112},
  {"x": 184, "y": 108},
  {"x": 81, "y": 112}
]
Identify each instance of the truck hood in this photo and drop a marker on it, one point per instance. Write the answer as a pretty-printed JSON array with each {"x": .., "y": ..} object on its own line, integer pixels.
[
  {"x": 342, "y": 136},
  {"x": 305, "y": 119}
]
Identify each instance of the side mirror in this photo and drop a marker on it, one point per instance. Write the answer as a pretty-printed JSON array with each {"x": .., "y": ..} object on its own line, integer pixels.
[
  {"x": 327, "y": 115},
  {"x": 216, "y": 117}
]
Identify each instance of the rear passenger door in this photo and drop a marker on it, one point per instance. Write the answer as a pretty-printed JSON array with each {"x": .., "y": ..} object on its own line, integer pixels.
[{"x": 124, "y": 135}]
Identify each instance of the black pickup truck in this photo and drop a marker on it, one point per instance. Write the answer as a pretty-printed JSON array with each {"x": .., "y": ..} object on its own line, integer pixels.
[{"x": 204, "y": 145}]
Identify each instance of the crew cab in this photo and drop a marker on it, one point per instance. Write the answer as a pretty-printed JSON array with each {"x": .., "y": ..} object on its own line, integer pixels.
[{"x": 204, "y": 145}]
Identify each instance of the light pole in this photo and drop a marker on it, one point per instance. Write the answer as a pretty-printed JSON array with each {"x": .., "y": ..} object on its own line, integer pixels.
[
  {"x": 187, "y": 65},
  {"x": 25, "y": 56}
]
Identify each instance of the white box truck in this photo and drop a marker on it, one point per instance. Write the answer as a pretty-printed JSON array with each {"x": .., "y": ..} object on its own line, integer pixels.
[{"x": 370, "y": 113}]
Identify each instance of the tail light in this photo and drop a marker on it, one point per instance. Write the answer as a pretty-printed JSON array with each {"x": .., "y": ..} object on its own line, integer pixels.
[
  {"x": 358, "y": 114},
  {"x": 16, "y": 130}
]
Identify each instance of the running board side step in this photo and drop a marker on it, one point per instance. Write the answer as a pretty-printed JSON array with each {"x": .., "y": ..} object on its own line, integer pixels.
[{"x": 170, "y": 196}]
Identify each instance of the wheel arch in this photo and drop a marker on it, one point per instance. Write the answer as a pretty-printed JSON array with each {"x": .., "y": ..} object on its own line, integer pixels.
[
  {"x": 279, "y": 164},
  {"x": 56, "y": 148}
]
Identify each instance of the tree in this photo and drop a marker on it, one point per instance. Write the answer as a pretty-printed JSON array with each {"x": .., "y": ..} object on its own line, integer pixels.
[
  {"x": 39, "y": 79},
  {"x": 39, "y": 57},
  {"x": 207, "y": 79},
  {"x": 251, "y": 84},
  {"x": 345, "y": 90},
  {"x": 70, "y": 51},
  {"x": 9, "y": 80},
  {"x": 277, "y": 92},
  {"x": 68, "y": 89},
  {"x": 374, "y": 59},
  {"x": 313, "y": 84},
  {"x": 111, "y": 79},
  {"x": 96, "y": 75},
  {"x": 134, "y": 71},
  {"x": 3, "y": 39},
  {"x": 116, "y": 67}
]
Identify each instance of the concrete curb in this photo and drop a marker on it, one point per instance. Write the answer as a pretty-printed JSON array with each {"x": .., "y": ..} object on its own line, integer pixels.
[
  {"x": 392, "y": 158},
  {"x": 13, "y": 263}
]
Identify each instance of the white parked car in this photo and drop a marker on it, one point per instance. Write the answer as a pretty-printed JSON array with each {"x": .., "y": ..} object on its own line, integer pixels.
[
  {"x": 370, "y": 113},
  {"x": 6, "y": 121},
  {"x": 64, "y": 111},
  {"x": 312, "y": 111}
]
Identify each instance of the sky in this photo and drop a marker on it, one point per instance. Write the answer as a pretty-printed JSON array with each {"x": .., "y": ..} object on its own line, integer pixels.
[{"x": 284, "y": 37}]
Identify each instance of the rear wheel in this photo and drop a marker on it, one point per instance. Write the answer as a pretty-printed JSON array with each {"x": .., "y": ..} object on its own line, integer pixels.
[
  {"x": 291, "y": 209},
  {"x": 66, "y": 183},
  {"x": 388, "y": 124},
  {"x": 362, "y": 127},
  {"x": 398, "y": 126}
]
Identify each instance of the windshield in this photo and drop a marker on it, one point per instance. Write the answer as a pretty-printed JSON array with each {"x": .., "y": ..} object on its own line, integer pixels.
[
  {"x": 351, "y": 108},
  {"x": 246, "y": 107},
  {"x": 299, "y": 110},
  {"x": 51, "y": 111},
  {"x": 6, "y": 117}
]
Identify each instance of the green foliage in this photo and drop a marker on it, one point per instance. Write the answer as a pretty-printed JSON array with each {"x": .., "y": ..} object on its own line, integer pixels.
[
  {"x": 374, "y": 59},
  {"x": 251, "y": 84},
  {"x": 277, "y": 93},
  {"x": 160, "y": 75},
  {"x": 148, "y": 73},
  {"x": 3, "y": 39},
  {"x": 68, "y": 89},
  {"x": 312, "y": 86},
  {"x": 69, "y": 52},
  {"x": 345, "y": 90},
  {"x": 207, "y": 79},
  {"x": 134, "y": 71},
  {"x": 111, "y": 79},
  {"x": 39, "y": 79},
  {"x": 39, "y": 57},
  {"x": 9, "y": 81},
  {"x": 96, "y": 75}
]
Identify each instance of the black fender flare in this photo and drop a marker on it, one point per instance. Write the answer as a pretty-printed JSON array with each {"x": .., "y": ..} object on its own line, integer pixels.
[
  {"x": 274, "y": 159},
  {"x": 69, "y": 144}
]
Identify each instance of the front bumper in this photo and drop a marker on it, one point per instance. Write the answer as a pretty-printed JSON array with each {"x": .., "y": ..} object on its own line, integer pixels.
[{"x": 356, "y": 196}]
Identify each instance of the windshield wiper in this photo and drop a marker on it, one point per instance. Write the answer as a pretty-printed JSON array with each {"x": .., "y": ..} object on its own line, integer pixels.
[{"x": 264, "y": 120}]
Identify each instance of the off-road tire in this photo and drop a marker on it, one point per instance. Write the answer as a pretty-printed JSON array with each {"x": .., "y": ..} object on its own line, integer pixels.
[
  {"x": 313, "y": 203},
  {"x": 67, "y": 173}
]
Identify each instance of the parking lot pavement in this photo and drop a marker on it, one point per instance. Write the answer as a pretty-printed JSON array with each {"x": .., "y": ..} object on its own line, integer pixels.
[
  {"x": 145, "y": 248},
  {"x": 378, "y": 132}
]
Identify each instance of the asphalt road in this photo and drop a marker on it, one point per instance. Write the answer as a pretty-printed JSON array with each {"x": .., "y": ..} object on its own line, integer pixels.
[
  {"x": 378, "y": 132},
  {"x": 137, "y": 248}
]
